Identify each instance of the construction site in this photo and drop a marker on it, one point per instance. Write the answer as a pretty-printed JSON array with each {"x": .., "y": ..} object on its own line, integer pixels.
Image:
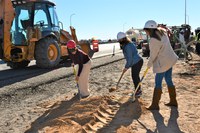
[
  {"x": 43, "y": 97},
  {"x": 45, "y": 101}
]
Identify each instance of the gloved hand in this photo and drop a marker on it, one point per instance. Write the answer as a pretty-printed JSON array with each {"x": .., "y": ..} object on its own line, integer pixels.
[{"x": 77, "y": 78}]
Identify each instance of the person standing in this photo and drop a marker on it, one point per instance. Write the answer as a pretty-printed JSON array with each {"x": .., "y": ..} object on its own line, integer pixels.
[
  {"x": 162, "y": 58},
  {"x": 181, "y": 37},
  {"x": 84, "y": 65},
  {"x": 133, "y": 59}
]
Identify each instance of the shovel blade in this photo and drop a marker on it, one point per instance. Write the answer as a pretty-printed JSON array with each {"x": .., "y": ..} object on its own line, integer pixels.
[{"x": 113, "y": 89}]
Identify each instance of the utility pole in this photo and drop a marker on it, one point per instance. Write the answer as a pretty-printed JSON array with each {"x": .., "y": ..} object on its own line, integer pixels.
[{"x": 185, "y": 11}]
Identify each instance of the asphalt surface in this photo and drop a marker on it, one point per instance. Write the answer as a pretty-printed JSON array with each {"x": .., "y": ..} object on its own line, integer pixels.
[{"x": 32, "y": 77}]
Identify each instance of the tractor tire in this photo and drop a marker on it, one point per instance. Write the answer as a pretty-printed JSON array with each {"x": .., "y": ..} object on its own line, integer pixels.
[
  {"x": 1, "y": 49},
  {"x": 47, "y": 53},
  {"x": 18, "y": 65}
]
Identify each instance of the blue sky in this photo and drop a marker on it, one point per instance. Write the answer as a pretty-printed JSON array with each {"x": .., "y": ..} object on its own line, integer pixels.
[{"x": 105, "y": 18}]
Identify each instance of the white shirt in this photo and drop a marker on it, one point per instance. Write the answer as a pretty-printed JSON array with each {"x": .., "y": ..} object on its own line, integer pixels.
[
  {"x": 181, "y": 38},
  {"x": 162, "y": 56}
]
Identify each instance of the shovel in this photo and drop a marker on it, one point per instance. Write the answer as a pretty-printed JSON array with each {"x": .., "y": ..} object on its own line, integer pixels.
[
  {"x": 114, "y": 89},
  {"x": 77, "y": 83},
  {"x": 134, "y": 92}
]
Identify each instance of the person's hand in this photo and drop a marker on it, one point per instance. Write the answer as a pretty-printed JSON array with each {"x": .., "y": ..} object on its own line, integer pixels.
[
  {"x": 77, "y": 78},
  {"x": 124, "y": 70}
]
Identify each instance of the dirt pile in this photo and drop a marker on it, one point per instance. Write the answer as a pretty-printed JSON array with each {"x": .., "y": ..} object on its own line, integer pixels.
[{"x": 93, "y": 114}]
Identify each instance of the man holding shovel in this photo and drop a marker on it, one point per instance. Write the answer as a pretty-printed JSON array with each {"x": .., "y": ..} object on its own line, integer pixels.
[{"x": 133, "y": 59}]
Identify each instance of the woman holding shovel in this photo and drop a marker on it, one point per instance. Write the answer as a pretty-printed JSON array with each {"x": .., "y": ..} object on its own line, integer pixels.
[
  {"x": 133, "y": 59},
  {"x": 84, "y": 65},
  {"x": 162, "y": 58}
]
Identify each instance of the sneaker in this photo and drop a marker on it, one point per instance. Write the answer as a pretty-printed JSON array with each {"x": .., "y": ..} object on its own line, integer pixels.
[{"x": 138, "y": 93}]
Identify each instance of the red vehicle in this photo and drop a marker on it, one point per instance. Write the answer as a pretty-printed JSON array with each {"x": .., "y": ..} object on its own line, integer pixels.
[{"x": 95, "y": 44}]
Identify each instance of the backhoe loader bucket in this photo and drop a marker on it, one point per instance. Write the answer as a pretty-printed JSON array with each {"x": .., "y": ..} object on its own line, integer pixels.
[{"x": 84, "y": 45}]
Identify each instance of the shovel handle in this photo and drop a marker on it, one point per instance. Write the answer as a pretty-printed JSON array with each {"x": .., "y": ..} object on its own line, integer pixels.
[
  {"x": 76, "y": 82},
  {"x": 74, "y": 72},
  {"x": 120, "y": 78},
  {"x": 145, "y": 73}
]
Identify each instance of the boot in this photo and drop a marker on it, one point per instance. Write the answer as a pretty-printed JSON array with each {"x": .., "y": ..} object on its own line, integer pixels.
[
  {"x": 172, "y": 96},
  {"x": 156, "y": 98}
]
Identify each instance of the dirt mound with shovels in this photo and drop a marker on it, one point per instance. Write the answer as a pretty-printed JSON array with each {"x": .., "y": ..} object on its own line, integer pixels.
[{"x": 93, "y": 114}]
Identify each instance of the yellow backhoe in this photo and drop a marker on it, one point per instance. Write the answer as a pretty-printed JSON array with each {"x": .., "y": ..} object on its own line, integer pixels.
[{"x": 30, "y": 30}]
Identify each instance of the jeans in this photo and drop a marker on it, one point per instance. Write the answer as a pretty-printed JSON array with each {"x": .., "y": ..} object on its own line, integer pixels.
[
  {"x": 168, "y": 78},
  {"x": 135, "y": 73}
]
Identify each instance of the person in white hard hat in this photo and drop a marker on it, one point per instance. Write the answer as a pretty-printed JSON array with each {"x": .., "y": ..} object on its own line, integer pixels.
[
  {"x": 133, "y": 59},
  {"x": 162, "y": 58},
  {"x": 181, "y": 36}
]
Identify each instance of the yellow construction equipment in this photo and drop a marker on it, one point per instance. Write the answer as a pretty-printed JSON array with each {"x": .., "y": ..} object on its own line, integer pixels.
[{"x": 30, "y": 30}]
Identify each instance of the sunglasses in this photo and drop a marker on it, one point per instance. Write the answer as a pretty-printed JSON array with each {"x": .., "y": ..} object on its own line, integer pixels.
[{"x": 71, "y": 50}]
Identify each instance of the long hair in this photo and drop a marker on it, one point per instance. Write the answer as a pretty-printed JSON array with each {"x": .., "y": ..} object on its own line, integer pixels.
[
  {"x": 125, "y": 41},
  {"x": 156, "y": 33}
]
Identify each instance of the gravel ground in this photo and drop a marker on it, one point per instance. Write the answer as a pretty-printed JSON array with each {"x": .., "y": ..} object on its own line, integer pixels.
[
  {"x": 20, "y": 96},
  {"x": 43, "y": 101}
]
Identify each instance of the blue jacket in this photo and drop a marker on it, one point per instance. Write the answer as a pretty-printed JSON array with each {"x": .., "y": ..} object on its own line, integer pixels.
[{"x": 131, "y": 54}]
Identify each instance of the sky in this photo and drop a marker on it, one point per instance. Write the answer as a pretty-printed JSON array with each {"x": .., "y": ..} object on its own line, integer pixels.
[{"x": 103, "y": 19}]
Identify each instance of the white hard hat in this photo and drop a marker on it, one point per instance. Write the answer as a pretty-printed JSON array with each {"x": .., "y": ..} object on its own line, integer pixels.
[
  {"x": 150, "y": 24},
  {"x": 121, "y": 35},
  {"x": 93, "y": 38}
]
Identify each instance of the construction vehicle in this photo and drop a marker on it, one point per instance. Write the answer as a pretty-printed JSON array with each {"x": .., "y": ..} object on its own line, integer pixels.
[
  {"x": 30, "y": 30},
  {"x": 197, "y": 46}
]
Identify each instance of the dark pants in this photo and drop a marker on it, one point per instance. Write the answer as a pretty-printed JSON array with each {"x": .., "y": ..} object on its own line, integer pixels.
[{"x": 135, "y": 73}]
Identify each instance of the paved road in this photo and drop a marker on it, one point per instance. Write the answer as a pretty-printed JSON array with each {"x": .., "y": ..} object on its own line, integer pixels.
[{"x": 104, "y": 49}]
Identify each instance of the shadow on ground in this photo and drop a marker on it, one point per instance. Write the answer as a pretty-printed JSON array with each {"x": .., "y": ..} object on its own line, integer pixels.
[{"x": 11, "y": 76}]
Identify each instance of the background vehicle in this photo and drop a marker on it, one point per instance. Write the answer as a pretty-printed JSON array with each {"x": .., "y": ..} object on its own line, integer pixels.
[
  {"x": 138, "y": 36},
  {"x": 182, "y": 41},
  {"x": 95, "y": 44},
  {"x": 145, "y": 48},
  {"x": 197, "y": 46},
  {"x": 133, "y": 35},
  {"x": 30, "y": 30}
]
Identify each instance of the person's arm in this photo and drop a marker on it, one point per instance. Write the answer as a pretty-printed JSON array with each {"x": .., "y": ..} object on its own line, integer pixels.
[
  {"x": 80, "y": 68},
  {"x": 128, "y": 56},
  {"x": 154, "y": 47}
]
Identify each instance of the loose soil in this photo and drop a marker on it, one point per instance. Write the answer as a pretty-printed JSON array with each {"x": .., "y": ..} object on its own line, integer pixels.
[{"x": 55, "y": 108}]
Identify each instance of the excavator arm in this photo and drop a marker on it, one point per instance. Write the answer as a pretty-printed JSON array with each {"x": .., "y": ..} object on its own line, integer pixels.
[{"x": 85, "y": 46}]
